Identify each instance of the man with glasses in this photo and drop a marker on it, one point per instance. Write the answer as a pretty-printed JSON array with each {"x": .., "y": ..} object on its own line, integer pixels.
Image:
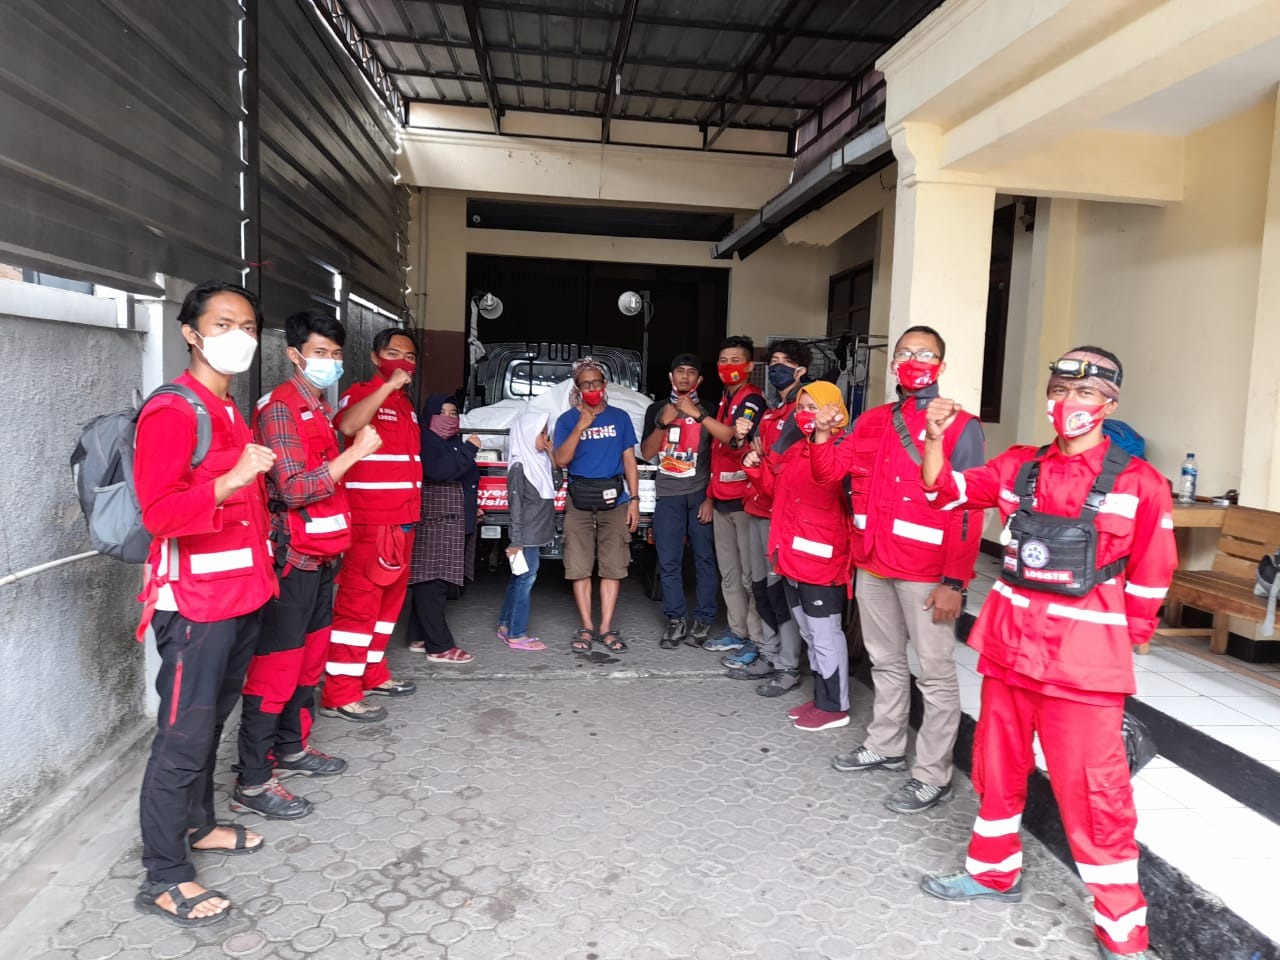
[
  {"x": 1089, "y": 554},
  {"x": 913, "y": 565}
]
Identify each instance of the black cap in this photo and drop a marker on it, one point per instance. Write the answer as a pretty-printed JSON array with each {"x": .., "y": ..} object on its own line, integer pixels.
[{"x": 686, "y": 360}]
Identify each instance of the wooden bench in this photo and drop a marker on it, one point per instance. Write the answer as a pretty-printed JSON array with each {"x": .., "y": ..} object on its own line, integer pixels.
[{"x": 1226, "y": 590}]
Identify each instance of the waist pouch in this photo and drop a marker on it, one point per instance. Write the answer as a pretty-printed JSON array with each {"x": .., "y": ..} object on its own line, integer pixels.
[{"x": 595, "y": 493}]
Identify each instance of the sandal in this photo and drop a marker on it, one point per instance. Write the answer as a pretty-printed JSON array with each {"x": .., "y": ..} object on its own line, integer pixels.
[
  {"x": 503, "y": 632},
  {"x": 418, "y": 646},
  {"x": 582, "y": 642},
  {"x": 242, "y": 841},
  {"x": 615, "y": 645},
  {"x": 524, "y": 643},
  {"x": 145, "y": 902}
]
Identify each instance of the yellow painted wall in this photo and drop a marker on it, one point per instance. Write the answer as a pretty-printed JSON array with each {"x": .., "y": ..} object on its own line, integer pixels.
[
  {"x": 1173, "y": 291},
  {"x": 780, "y": 289}
]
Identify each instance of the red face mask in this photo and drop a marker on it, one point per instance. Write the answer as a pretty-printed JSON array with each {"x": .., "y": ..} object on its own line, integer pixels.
[
  {"x": 916, "y": 374},
  {"x": 806, "y": 421},
  {"x": 732, "y": 374},
  {"x": 388, "y": 367},
  {"x": 1071, "y": 419},
  {"x": 592, "y": 398}
]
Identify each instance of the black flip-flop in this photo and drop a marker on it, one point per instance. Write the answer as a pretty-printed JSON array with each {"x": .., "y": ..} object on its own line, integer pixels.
[
  {"x": 615, "y": 645},
  {"x": 240, "y": 849},
  {"x": 145, "y": 901},
  {"x": 583, "y": 640}
]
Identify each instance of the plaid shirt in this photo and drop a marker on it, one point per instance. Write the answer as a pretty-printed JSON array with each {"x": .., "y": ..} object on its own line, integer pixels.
[{"x": 289, "y": 482}]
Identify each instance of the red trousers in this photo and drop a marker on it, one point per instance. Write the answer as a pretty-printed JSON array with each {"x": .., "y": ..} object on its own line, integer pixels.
[
  {"x": 364, "y": 614},
  {"x": 1084, "y": 751}
]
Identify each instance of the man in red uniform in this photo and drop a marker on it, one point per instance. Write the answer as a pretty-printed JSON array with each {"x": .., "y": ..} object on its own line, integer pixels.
[
  {"x": 913, "y": 564},
  {"x": 208, "y": 575},
  {"x": 776, "y": 655},
  {"x": 311, "y": 528},
  {"x": 384, "y": 491},
  {"x": 1055, "y": 638},
  {"x": 728, "y": 490}
]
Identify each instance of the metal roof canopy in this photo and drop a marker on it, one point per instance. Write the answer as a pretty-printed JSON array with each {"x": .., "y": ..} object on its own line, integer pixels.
[{"x": 718, "y": 64}]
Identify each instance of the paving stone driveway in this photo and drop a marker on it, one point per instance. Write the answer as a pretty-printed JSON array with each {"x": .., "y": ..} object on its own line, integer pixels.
[{"x": 591, "y": 816}]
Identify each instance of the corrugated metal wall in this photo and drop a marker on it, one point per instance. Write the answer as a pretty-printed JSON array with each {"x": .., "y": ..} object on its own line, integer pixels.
[
  {"x": 327, "y": 161},
  {"x": 119, "y": 156}
]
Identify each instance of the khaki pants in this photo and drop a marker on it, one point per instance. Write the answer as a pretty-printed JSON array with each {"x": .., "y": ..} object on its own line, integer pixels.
[
  {"x": 733, "y": 554},
  {"x": 893, "y": 615}
]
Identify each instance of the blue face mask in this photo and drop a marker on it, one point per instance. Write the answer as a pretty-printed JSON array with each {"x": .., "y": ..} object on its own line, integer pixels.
[
  {"x": 781, "y": 376},
  {"x": 322, "y": 372}
]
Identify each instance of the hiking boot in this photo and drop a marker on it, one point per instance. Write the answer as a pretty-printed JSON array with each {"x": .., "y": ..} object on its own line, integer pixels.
[
  {"x": 817, "y": 719},
  {"x": 394, "y": 688},
  {"x": 358, "y": 712},
  {"x": 730, "y": 641},
  {"x": 1106, "y": 954},
  {"x": 864, "y": 758},
  {"x": 757, "y": 669},
  {"x": 748, "y": 655},
  {"x": 960, "y": 886},
  {"x": 698, "y": 634},
  {"x": 311, "y": 763},
  {"x": 778, "y": 684},
  {"x": 270, "y": 800},
  {"x": 915, "y": 796},
  {"x": 675, "y": 632}
]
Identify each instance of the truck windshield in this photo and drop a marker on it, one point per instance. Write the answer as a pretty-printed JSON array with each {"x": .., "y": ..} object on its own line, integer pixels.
[{"x": 528, "y": 378}]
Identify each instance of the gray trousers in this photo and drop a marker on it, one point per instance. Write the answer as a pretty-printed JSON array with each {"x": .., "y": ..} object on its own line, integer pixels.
[
  {"x": 733, "y": 554},
  {"x": 893, "y": 615},
  {"x": 817, "y": 611},
  {"x": 779, "y": 640}
]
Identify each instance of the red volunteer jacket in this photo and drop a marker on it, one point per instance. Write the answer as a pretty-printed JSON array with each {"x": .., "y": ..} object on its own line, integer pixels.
[
  {"x": 317, "y": 526},
  {"x": 1074, "y": 647},
  {"x": 386, "y": 487},
  {"x": 758, "y": 502},
  {"x": 728, "y": 481},
  {"x": 208, "y": 561},
  {"x": 896, "y": 533},
  {"x": 810, "y": 532}
]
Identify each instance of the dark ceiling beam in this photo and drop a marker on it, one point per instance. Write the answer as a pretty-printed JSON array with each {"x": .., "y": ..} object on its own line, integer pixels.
[
  {"x": 763, "y": 58},
  {"x": 653, "y": 20},
  {"x": 471, "y": 9},
  {"x": 786, "y": 73},
  {"x": 614, "y": 80},
  {"x": 595, "y": 90}
]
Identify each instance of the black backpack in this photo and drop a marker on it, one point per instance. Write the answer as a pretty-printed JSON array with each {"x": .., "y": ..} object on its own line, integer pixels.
[{"x": 102, "y": 470}]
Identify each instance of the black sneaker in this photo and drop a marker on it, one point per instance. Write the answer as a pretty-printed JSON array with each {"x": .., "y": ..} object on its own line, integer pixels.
[
  {"x": 757, "y": 669},
  {"x": 311, "y": 763},
  {"x": 781, "y": 682},
  {"x": 675, "y": 633},
  {"x": 863, "y": 758},
  {"x": 361, "y": 711},
  {"x": 916, "y": 796},
  {"x": 393, "y": 688},
  {"x": 273, "y": 802},
  {"x": 699, "y": 634}
]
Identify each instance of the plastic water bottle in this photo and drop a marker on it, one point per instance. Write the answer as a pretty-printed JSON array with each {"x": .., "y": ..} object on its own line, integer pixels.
[{"x": 1187, "y": 484}]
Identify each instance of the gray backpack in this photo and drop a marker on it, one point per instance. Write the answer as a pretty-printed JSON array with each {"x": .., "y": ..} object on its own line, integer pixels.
[
  {"x": 102, "y": 469},
  {"x": 1268, "y": 586}
]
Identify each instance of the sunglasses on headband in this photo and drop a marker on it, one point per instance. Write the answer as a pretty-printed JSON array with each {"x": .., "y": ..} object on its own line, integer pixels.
[{"x": 1080, "y": 369}]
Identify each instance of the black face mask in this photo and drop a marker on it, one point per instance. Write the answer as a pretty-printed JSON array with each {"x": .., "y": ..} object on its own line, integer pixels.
[{"x": 781, "y": 376}]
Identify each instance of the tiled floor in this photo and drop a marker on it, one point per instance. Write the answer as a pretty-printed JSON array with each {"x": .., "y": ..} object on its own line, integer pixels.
[{"x": 1224, "y": 847}]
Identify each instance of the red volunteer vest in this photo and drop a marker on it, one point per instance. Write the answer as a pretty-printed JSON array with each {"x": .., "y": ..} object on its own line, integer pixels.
[
  {"x": 320, "y": 529},
  {"x": 895, "y": 529},
  {"x": 228, "y": 572},
  {"x": 759, "y": 502},
  {"x": 728, "y": 481},
  {"x": 386, "y": 487}
]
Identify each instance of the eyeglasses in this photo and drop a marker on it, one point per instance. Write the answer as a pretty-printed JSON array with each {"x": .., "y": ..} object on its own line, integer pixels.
[
  {"x": 924, "y": 356},
  {"x": 591, "y": 385},
  {"x": 1080, "y": 369}
]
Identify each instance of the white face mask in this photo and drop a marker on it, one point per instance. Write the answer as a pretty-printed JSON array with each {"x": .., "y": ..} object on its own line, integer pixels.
[
  {"x": 229, "y": 353},
  {"x": 322, "y": 372}
]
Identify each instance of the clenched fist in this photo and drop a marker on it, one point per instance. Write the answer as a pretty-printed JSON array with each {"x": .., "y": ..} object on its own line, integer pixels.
[
  {"x": 254, "y": 460},
  {"x": 367, "y": 441},
  {"x": 939, "y": 415}
]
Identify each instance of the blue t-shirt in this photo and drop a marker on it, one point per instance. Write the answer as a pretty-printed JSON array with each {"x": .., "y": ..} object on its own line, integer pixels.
[{"x": 600, "y": 450}]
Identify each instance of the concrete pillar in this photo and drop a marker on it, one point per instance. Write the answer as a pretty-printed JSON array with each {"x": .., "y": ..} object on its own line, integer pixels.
[
  {"x": 1260, "y": 458},
  {"x": 881, "y": 291},
  {"x": 1050, "y": 310},
  {"x": 941, "y": 260}
]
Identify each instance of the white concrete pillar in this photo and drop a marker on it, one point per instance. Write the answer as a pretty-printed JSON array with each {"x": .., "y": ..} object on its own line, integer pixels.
[
  {"x": 941, "y": 261},
  {"x": 1260, "y": 458},
  {"x": 881, "y": 298}
]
